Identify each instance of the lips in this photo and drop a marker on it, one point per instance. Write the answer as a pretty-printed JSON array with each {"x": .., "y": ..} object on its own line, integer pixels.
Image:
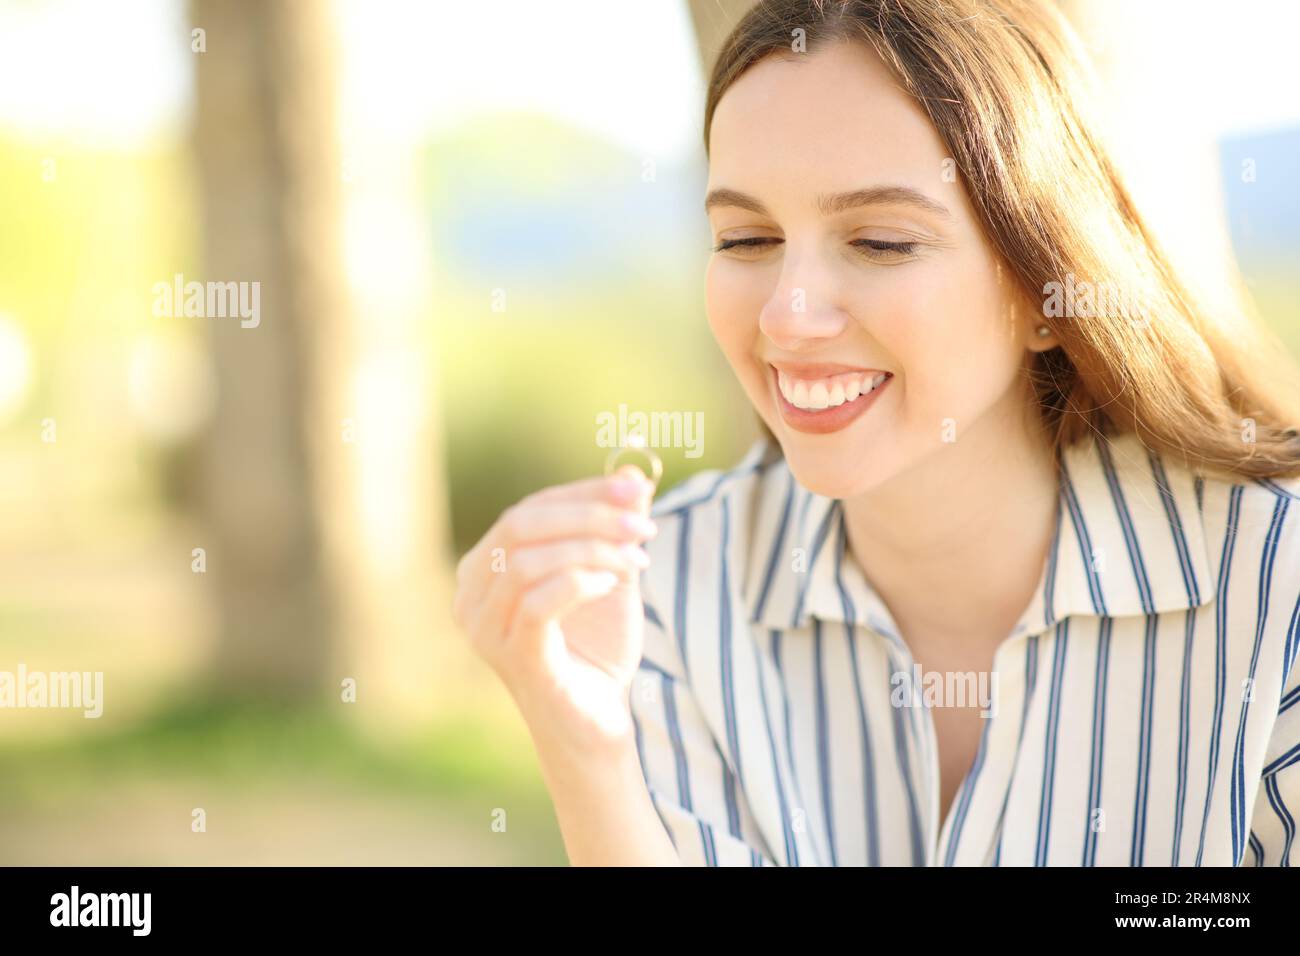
[
  {"x": 812, "y": 370},
  {"x": 824, "y": 397}
]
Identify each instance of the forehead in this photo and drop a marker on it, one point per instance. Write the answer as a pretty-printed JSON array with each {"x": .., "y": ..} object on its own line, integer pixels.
[{"x": 832, "y": 119}]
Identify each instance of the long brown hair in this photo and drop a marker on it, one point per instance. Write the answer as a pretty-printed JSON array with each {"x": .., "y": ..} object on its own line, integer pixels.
[{"x": 1005, "y": 83}]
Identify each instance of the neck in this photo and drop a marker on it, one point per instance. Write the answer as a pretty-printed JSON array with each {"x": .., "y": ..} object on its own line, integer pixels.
[{"x": 956, "y": 545}]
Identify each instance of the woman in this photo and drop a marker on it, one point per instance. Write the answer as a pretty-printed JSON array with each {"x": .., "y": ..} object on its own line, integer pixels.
[{"x": 1013, "y": 577}]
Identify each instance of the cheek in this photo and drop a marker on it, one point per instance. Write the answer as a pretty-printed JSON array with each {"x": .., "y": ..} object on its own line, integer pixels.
[
  {"x": 733, "y": 303},
  {"x": 951, "y": 338}
]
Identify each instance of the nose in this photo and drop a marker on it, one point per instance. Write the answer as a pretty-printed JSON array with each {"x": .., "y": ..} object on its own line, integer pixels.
[{"x": 802, "y": 309}]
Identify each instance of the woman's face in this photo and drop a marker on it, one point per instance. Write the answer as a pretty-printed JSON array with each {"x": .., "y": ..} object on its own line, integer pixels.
[{"x": 858, "y": 256}]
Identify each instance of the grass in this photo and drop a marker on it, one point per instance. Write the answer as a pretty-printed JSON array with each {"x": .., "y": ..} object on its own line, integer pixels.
[{"x": 445, "y": 781}]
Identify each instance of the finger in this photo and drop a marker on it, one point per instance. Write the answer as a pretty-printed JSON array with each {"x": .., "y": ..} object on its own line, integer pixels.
[
  {"x": 627, "y": 491},
  {"x": 551, "y": 599},
  {"x": 627, "y": 486},
  {"x": 527, "y": 566},
  {"x": 474, "y": 574},
  {"x": 541, "y": 521},
  {"x": 532, "y": 563}
]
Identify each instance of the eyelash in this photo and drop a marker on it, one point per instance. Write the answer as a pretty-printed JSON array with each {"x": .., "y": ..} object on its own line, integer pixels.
[{"x": 871, "y": 248}]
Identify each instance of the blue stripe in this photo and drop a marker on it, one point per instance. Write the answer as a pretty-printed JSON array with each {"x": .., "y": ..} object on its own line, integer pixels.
[
  {"x": 650, "y": 665},
  {"x": 683, "y": 576},
  {"x": 1137, "y": 848},
  {"x": 1050, "y": 740},
  {"x": 645, "y": 772},
  {"x": 1238, "y": 787},
  {"x": 1193, "y": 589},
  {"x": 965, "y": 794},
  {"x": 1138, "y": 564},
  {"x": 823, "y": 740},
  {"x": 775, "y": 555},
  {"x": 652, "y": 615},
  {"x": 1256, "y": 848},
  {"x": 1126, "y": 525},
  {"x": 789, "y": 737},
  {"x": 679, "y": 748},
  {"x": 915, "y": 835},
  {"x": 1287, "y": 759},
  {"x": 667, "y": 505},
  {"x": 730, "y": 781},
  {"x": 1277, "y": 489},
  {"x": 1176, "y": 530},
  {"x": 683, "y": 771},
  {"x": 725, "y": 642},
  {"x": 1220, "y": 640},
  {"x": 1289, "y": 656},
  {"x": 791, "y": 851},
  {"x": 1031, "y": 682},
  {"x": 849, "y": 610},
  {"x": 1184, "y": 731},
  {"x": 1085, "y": 543},
  {"x": 870, "y": 810},
  {"x": 1238, "y": 783},
  {"x": 805, "y": 579},
  {"x": 730, "y": 796},
  {"x": 1053, "y": 557},
  {"x": 709, "y": 844},
  {"x": 1284, "y": 814},
  {"x": 1099, "y": 682}
]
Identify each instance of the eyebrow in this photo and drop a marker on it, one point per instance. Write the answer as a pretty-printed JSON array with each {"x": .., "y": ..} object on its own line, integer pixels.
[{"x": 831, "y": 204}]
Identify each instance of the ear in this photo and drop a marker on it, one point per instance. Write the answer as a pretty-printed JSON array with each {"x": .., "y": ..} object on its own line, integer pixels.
[
  {"x": 1031, "y": 327},
  {"x": 1041, "y": 337}
]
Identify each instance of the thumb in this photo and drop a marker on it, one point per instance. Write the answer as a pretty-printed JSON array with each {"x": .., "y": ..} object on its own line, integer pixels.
[{"x": 645, "y": 498}]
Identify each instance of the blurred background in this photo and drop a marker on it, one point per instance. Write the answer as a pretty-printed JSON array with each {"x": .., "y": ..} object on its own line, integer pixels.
[{"x": 473, "y": 228}]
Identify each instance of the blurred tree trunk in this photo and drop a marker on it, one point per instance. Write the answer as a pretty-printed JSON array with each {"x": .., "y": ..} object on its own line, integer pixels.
[{"x": 265, "y": 142}]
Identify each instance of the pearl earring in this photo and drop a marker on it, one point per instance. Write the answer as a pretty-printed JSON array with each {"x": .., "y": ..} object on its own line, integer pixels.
[{"x": 1044, "y": 331}]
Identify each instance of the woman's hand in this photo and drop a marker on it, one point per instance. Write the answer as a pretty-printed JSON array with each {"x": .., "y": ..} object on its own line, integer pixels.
[{"x": 550, "y": 597}]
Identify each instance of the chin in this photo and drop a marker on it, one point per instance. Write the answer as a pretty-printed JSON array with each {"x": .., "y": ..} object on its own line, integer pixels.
[{"x": 833, "y": 472}]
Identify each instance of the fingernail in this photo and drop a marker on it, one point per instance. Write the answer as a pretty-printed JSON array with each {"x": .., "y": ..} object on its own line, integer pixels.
[{"x": 639, "y": 524}]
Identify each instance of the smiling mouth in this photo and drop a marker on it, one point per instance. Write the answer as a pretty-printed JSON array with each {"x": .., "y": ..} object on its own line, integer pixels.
[
  {"x": 829, "y": 402},
  {"x": 832, "y": 391}
]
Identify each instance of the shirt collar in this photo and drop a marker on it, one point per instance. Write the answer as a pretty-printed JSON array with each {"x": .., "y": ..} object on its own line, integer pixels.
[{"x": 1129, "y": 540}]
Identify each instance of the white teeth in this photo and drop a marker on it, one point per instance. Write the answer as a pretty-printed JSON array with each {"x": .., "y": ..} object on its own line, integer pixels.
[
  {"x": 799, "y": 395},
  {"x": 826, "y": 393}
]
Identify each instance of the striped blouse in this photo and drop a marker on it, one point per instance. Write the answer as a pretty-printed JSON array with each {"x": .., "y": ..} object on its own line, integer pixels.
[{"x": 1147, "y": 704}]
